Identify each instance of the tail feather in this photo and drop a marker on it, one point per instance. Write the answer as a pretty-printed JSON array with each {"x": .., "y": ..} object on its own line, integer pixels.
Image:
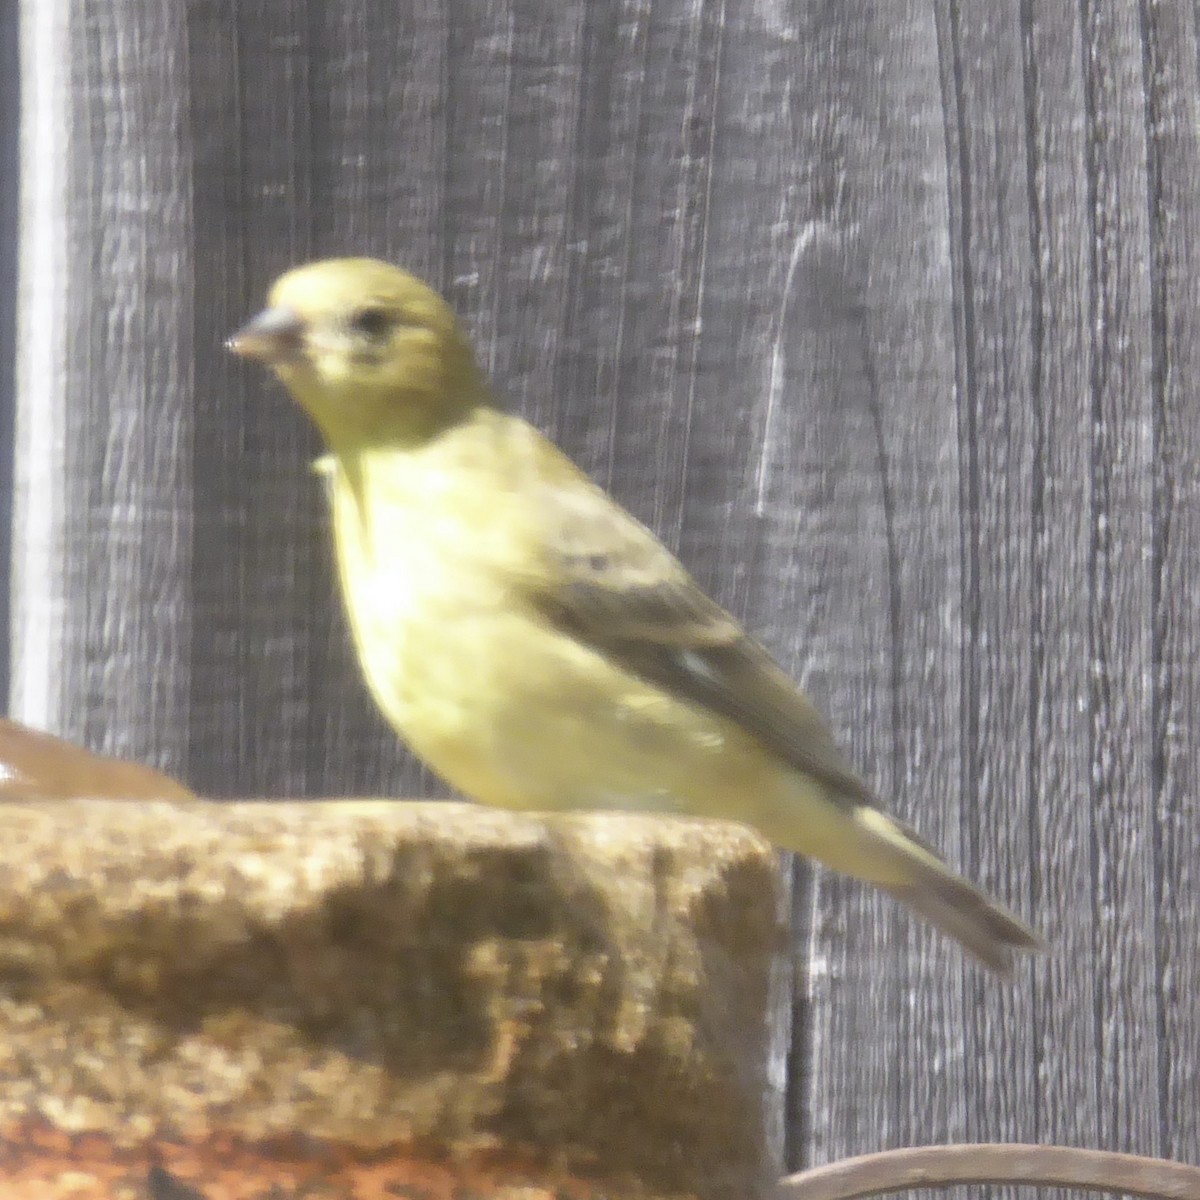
[
  {"x": 864, "y": 841},
  {"x": 924, "y": 883},
  {"x": 961, "y": 910}
]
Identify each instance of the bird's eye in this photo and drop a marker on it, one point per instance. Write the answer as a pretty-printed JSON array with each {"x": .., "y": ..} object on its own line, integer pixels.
[{"x": 372, "y": 323}]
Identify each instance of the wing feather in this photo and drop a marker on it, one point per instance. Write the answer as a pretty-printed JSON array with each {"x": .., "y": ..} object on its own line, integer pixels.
[{"x": 616, "y": 587}]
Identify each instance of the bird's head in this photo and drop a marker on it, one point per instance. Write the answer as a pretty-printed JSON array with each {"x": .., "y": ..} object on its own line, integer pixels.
[{"x": 369, "y": 351}]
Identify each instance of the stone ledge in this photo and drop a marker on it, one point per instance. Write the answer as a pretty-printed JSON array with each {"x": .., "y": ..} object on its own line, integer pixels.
[{"x": 390, "y": 985}]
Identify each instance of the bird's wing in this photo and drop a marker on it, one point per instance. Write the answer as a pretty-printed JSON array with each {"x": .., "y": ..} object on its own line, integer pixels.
[{"x": 612, "y": 584}]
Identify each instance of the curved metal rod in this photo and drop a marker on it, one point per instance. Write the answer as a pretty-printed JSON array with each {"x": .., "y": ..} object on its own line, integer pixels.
[{"x": 995, "y": 1162}]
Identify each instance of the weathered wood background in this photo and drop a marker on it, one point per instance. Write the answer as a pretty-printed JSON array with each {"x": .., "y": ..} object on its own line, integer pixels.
[{"x": 884, "y": 314}]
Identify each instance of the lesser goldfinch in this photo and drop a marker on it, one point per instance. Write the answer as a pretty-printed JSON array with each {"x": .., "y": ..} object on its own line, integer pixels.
[{"x": 536, "y": 645}]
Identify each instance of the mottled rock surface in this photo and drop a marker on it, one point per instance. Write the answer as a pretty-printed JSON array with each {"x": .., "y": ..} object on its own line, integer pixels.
[{"x": 360, "y": 995}]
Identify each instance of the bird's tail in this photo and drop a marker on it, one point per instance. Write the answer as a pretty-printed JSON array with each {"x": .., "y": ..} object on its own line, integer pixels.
[
  {"x": 960, "y": 909},
  {"x": 929, "y": 887},
  {"x": 856, "y": 838}
]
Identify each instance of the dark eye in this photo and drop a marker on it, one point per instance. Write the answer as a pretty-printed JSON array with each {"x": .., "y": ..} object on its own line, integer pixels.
[{"x": 371, "y": 323}]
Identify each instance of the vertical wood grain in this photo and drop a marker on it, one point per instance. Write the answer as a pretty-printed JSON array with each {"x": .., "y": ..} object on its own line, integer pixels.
[
  {"x": 101, "y": 540},
  {"x": 262, "y": 578},
  {"x": 884, "y": 565},
  {"x": 1060, "y": 778},
  {"x": 1119, "y": 550},
  {"x": 1169, "y": 34},
  {"x": 983, "y": 84}
]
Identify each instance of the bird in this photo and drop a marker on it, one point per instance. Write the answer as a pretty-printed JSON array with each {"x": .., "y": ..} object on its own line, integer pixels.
[{"x": 536, "y": 645}]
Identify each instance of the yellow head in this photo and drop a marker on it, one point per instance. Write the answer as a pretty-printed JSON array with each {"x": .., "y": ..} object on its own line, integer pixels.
[{"x": 369, "y": 351}]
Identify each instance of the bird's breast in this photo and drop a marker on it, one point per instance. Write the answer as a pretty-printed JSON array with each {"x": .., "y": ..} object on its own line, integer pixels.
[
  {"x": 505, "y": 706},
  {"x": 428, "y": 588},
  {"x": 415, "y": 570}
]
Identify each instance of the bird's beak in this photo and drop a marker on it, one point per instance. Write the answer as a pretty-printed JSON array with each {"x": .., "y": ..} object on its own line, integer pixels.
[{"x": 275, "y": 334}]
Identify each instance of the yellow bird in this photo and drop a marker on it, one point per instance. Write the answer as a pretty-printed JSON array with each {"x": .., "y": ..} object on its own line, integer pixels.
[{"x": 534, "y": 644}]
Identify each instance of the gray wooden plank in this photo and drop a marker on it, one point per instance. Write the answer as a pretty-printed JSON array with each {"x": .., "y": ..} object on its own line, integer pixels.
[
  {"x": 1120, "y": 619},
  {"x": 101, "y": 543},
  {"x": 260, "y": 569},
  {"x": 1020, "y": 457},
  {"x": 519, "y": 262},
  {"x": 10, "y": 107},
  {"x": 892, "y": 629},
  {"x": 647, "y": 270},
  {"x": 991, "y": 246},
  {"x": 1173, "y": 127},
  {"x": 1060, "y": 777},
  {"x": 600, "y": 246}
]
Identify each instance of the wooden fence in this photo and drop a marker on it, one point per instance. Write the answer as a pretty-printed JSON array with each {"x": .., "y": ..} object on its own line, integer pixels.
[{"x": 885, "y": 315}]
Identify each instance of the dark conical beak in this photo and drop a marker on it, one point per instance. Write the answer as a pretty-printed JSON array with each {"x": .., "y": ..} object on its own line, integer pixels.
[{"x": 275, "y": 334}]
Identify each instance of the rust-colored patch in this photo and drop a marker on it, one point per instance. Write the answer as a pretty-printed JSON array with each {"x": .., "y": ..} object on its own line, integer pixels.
[
  {"x": 41, "y": 1162},
  {"x": 39, "y": 766}
]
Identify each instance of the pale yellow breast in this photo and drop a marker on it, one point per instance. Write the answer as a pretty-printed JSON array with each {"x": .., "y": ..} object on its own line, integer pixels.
[
  {"x": 423, "y": 579},
  {"x": 505, "y": 707}
]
